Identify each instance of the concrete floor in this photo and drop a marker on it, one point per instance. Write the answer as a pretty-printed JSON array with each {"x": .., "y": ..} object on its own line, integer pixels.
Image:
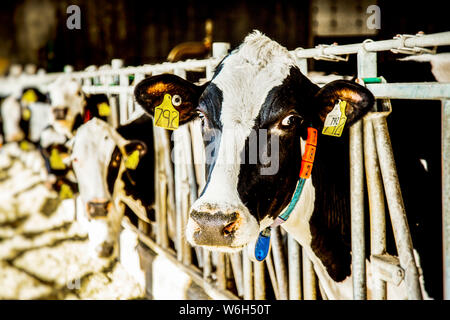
[{"x": 43, "y": 250}]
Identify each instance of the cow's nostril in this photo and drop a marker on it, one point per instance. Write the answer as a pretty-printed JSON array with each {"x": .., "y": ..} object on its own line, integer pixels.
[{"x": 231, "y": 227}]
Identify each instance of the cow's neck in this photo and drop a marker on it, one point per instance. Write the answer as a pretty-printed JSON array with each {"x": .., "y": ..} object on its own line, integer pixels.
[{"x": 319, "y": 221}]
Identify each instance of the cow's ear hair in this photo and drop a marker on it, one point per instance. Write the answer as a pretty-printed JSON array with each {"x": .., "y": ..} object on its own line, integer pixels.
[
  {"x": 150, "y": 92},
  {"x": 359, "y": 100}
]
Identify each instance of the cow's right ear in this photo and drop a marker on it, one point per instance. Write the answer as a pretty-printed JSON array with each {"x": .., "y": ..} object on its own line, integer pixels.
[{"x": 150, "y": 92}]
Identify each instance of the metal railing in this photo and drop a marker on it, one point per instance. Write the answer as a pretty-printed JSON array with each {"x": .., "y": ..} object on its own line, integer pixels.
[{"x": 178, "y": 184}]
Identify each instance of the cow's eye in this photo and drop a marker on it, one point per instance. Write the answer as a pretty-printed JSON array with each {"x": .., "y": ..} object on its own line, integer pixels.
[{"x": 289, "y": 121}]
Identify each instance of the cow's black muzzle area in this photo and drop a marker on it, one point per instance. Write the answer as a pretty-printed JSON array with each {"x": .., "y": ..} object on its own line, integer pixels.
[
  {"x": 105, "y": 250},
  {"x": 215, "y": 229},
  {"x": 98, "y": 209},
  {"x": 60, "y": 113}
]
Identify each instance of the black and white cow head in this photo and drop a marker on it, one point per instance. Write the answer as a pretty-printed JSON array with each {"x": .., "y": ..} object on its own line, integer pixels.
[
  {"x": 258, "y": 88},
  {"x": 98, "y": 153},
  {"x": 67, "y": 103}
]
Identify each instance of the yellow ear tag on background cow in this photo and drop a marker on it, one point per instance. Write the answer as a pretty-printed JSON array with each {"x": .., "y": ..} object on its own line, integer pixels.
[
  {"x": 65, "y": 192},
  {"x": 166, "y": 116},
  {"x": 56, "y": 162},
  {"x": 335, "y": 121},
  {"x": 29, "y": 96},
  {"x": 26, "y": 114},
  {"x": 133, "y": 160},
  {"x": 103, "y": 109},
  {"x": 24, "y": 145}
]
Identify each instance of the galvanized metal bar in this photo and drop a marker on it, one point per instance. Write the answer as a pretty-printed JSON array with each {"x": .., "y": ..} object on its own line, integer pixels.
[
  {"x": 413, "y": 90},
  {"x": 376, "y": 205},
  {"x": 207, "y": 265},
  {"x": 220, "y": 271},
  {"x": 295, "y": 289},
  {"x": 309, "y": 278},
  {"x": 396, "y": 207},
  {"x": 248, "y": 276},
  {"x": 428, "y": 40},
  {"x": 236, "y": 265},
  {"x": 280, "y": 265},
  {"x": 446, "y": 194},
  {"x": 260, "y": 283},
  {"x": 357, "y": 212},
  {"x": 123, "y": 100},
  {"x": 272, "y": 275}
]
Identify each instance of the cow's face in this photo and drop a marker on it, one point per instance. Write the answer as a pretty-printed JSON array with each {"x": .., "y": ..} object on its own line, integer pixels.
[
  {"x": 67, "y": 102},
  {"x": 97, "y": 158},
  {"x": 257, "y": 104}
]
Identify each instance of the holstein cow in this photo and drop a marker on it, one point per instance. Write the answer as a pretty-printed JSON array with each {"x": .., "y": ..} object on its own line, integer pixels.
[
  {"x": 258, "y": 88},
  {"x": 70, "y": 107},
  {"x": 115, "y": 173},
  {"x": 17, "y": 111}
]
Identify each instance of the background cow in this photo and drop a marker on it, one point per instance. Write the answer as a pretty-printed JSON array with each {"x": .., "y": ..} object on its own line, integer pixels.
[{"x": 115, "y": 172}]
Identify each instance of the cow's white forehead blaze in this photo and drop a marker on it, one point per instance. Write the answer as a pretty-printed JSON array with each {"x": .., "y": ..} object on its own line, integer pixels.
[{"x": 245, "y": 79}]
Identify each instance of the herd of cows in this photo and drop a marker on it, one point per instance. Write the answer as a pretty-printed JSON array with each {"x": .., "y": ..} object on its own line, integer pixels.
[{"x": 258, "y": 86}]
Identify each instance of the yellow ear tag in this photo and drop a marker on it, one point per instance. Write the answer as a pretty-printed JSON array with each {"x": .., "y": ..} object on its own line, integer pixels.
[
  {"x": 166, "y": 116},
  {"x": 24, "y": 145},
  {"x": 133, "y": 160},
  {"x": 65, "y": 192},
  {"x": 335, "y": 121},
  {"x": 26, "y": 114},
  {"x": 29, "y": 96},
  {"x": 103, "y": 109},
  {"x": 56, "y": 162}
]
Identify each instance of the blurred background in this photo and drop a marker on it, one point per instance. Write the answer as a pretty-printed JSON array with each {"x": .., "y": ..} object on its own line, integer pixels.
[{"x": 141, "y": 32}]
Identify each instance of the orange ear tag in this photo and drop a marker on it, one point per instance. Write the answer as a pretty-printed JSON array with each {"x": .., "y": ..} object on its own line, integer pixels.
[{"x": 166, "y": 116}]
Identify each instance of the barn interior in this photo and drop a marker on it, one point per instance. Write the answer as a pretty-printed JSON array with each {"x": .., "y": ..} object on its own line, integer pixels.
[{"x": 43, "y": 249}]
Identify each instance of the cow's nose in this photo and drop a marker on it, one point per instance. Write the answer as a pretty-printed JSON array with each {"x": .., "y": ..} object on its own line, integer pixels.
[
  {"x": 105, "y": 250},
  {"x": 215, "y": 229},
  {"x": 98, "y": 208}
]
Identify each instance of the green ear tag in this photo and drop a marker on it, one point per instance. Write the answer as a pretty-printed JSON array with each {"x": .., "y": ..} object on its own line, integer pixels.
[
  {"x": 335, "y": 121},
  {"x": 133, "y": 160},
  {"x": 166, "y": 116},
  {"x": 56, "y": 162},
  {"x": 103, "y": 109}
]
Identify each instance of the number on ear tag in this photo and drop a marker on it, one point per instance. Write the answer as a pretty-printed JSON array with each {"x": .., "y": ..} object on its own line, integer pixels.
[
  {"x": 103, "y": 109},
  {"x": 335, "y": 121},
  {"x": 133, "y": 160},
  {"x": 29, "y": 96},
  {"x": 56, "y": 162},
  {"x": 166, "y": 116}
]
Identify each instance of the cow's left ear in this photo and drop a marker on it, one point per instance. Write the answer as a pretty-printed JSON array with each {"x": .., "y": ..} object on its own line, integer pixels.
[
  {"x": 359, "y": 100},
  {"x": 134, "y": 151},
  {"x": 150, "y": 93}
]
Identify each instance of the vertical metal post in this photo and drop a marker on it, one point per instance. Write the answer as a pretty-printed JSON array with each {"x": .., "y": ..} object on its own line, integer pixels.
[
  {"x": 236, "y": 265},
  {"x": 309, "y": 278},
  {"x": 248, "y": 276},
  {"x": 220, "y": 271},
  {"x": 260, "y": 284},
  {"x": 366, "y": 68},
  {"x": 446, "y": 194},
  {"x": 280, "y": 266},
  {"x": 295, "y": 290},
  {"x": 123, "y": 100},
  {"x": 396, "y": 208},
  {"x": 376, "y": 204}
]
